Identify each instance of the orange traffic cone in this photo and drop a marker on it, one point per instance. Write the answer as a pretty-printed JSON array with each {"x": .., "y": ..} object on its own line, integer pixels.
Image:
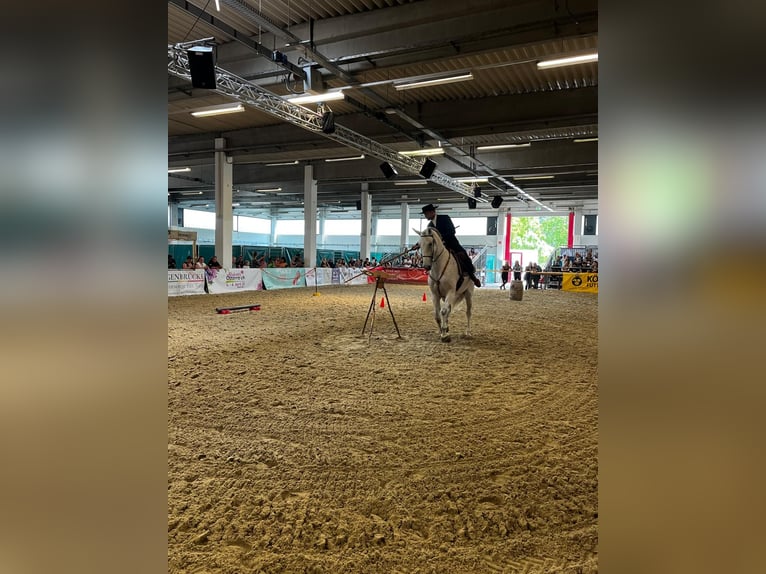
[
  {"x": 424, "y": 296},
  {"x": 382, "y": 303}
]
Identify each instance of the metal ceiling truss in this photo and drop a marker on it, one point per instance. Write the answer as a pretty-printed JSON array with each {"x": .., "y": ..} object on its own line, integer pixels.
[
  {"x": 240, "y": 37},
  {"x": 240, "y": 89}
]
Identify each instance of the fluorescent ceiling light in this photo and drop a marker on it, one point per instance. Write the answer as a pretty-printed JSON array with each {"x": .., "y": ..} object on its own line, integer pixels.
[
  {"x": 189, "y": 193},
  {"x": 269, "y": 189},
  {"x": 472, "y": 179},
  {"x": 583, "y": 140},
  {"x": 569, "y": 61},
  {"x": 295, "y": 162},
  {"x": 328, "y": 97},
  {"x": 413, "y": 182},
  {"x": 218, "y": 110},
  {"x": 532, "y": 177},
  {"x": 501, "y": 146},
  {"x": 428, "y": 151},
  {"x": 178, "y": 169},
  {"x": 345, "y": 158},
  {"x": 435, "y": 82}
]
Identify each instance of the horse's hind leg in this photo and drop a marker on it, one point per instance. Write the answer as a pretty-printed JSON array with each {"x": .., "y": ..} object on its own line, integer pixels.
[{"x": 468, "y": 306}]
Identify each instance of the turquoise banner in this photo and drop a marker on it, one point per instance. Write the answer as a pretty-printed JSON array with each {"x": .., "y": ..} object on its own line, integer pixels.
[{"x": 283, "y": 278}]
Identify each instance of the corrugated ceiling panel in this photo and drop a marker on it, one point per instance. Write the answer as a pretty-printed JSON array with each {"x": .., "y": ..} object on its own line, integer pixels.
[
  {"x": 183, "y": 27},
  {"x": 509, "y": 71}
]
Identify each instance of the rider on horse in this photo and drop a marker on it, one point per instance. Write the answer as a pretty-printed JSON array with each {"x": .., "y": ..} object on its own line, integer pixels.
[{"x": 444, "y": 225}]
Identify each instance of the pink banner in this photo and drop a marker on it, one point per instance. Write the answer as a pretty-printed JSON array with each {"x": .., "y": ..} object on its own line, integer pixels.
[{"x": 402, "y": 275}]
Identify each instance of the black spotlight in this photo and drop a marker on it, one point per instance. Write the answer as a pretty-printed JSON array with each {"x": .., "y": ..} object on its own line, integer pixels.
[
  {"x": 359, "y": 205},
  {"x": 496, "y": 201},
  {"x": 476, "y": 191},
  {"x": 471, "y": 203},
  {"x": 202, "y": 67},
  {"x": 428, "y": 168},
  {"x": 388, "y": 170}
]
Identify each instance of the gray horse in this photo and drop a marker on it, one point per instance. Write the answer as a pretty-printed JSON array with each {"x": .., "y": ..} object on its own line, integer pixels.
[{"x": 443, "y": 279}]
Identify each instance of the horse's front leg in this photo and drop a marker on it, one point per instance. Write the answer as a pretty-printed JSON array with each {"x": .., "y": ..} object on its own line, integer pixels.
[
  {"x": 437, "y": 308},
  {"x": 445, "y": 312}
]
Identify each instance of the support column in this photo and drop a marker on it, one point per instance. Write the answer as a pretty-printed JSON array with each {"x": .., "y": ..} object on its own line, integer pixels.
[
  {"x": 405, "y": 226},
  {"x": 570, "y": 229},
  {"x": 309, "y": 217},
  {"x": 578, "y": 227},
  {"x": 374, "y": 232},
  {"x": 365, "y": 237},
  {"x": 224, "y": 213},
  {"x": 500, "y": 247},
  {"x": 175, "y": 214},
  {"x": 273, "y": 232},
  {"x": 508, "y": 230},
  {"x": 322, "y": 220}
]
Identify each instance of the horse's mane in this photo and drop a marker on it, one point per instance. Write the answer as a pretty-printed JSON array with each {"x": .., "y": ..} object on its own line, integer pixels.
[{"x": 432, "y": 231}]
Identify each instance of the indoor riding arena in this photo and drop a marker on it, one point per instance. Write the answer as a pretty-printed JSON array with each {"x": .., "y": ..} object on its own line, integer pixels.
[{"x": 297, "y": 443}]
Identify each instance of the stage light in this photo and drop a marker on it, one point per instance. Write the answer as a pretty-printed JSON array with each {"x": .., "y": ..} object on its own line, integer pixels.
[
  {"x": 388, "y": 170},
  {"x": 202, "y": 67},
  {"x": 428, "y": 168}
]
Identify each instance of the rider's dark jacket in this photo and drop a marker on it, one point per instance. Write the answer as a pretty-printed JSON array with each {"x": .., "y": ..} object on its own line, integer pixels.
[{"x": 445, "y": 227}]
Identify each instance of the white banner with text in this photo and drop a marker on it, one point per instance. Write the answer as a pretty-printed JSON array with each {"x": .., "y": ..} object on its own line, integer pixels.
[
  {"x": 186, "y": 282},
  {"x": 232, "y": 280}
]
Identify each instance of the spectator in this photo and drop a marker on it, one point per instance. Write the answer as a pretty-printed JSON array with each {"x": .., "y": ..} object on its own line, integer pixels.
[
  {"x": 504, "y": 274},
  {"x": 577, "y": 264},
  {"x": 517, "y": 271},
  {"x": 171, "y": 262},
  {"x": 200, "y": 264},
  {"x": 188, "y": 264},
  {"x": 240, "y": 262},
  {"x": 214, "y": 263},
  {"x": 528, "y": 276},
  {"x": 245, "y": 264},
  {"x": 536, "y": 270}
]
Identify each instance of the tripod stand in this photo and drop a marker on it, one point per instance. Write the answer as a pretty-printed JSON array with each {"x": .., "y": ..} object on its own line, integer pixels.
[{"x": 380, "y": 283}]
